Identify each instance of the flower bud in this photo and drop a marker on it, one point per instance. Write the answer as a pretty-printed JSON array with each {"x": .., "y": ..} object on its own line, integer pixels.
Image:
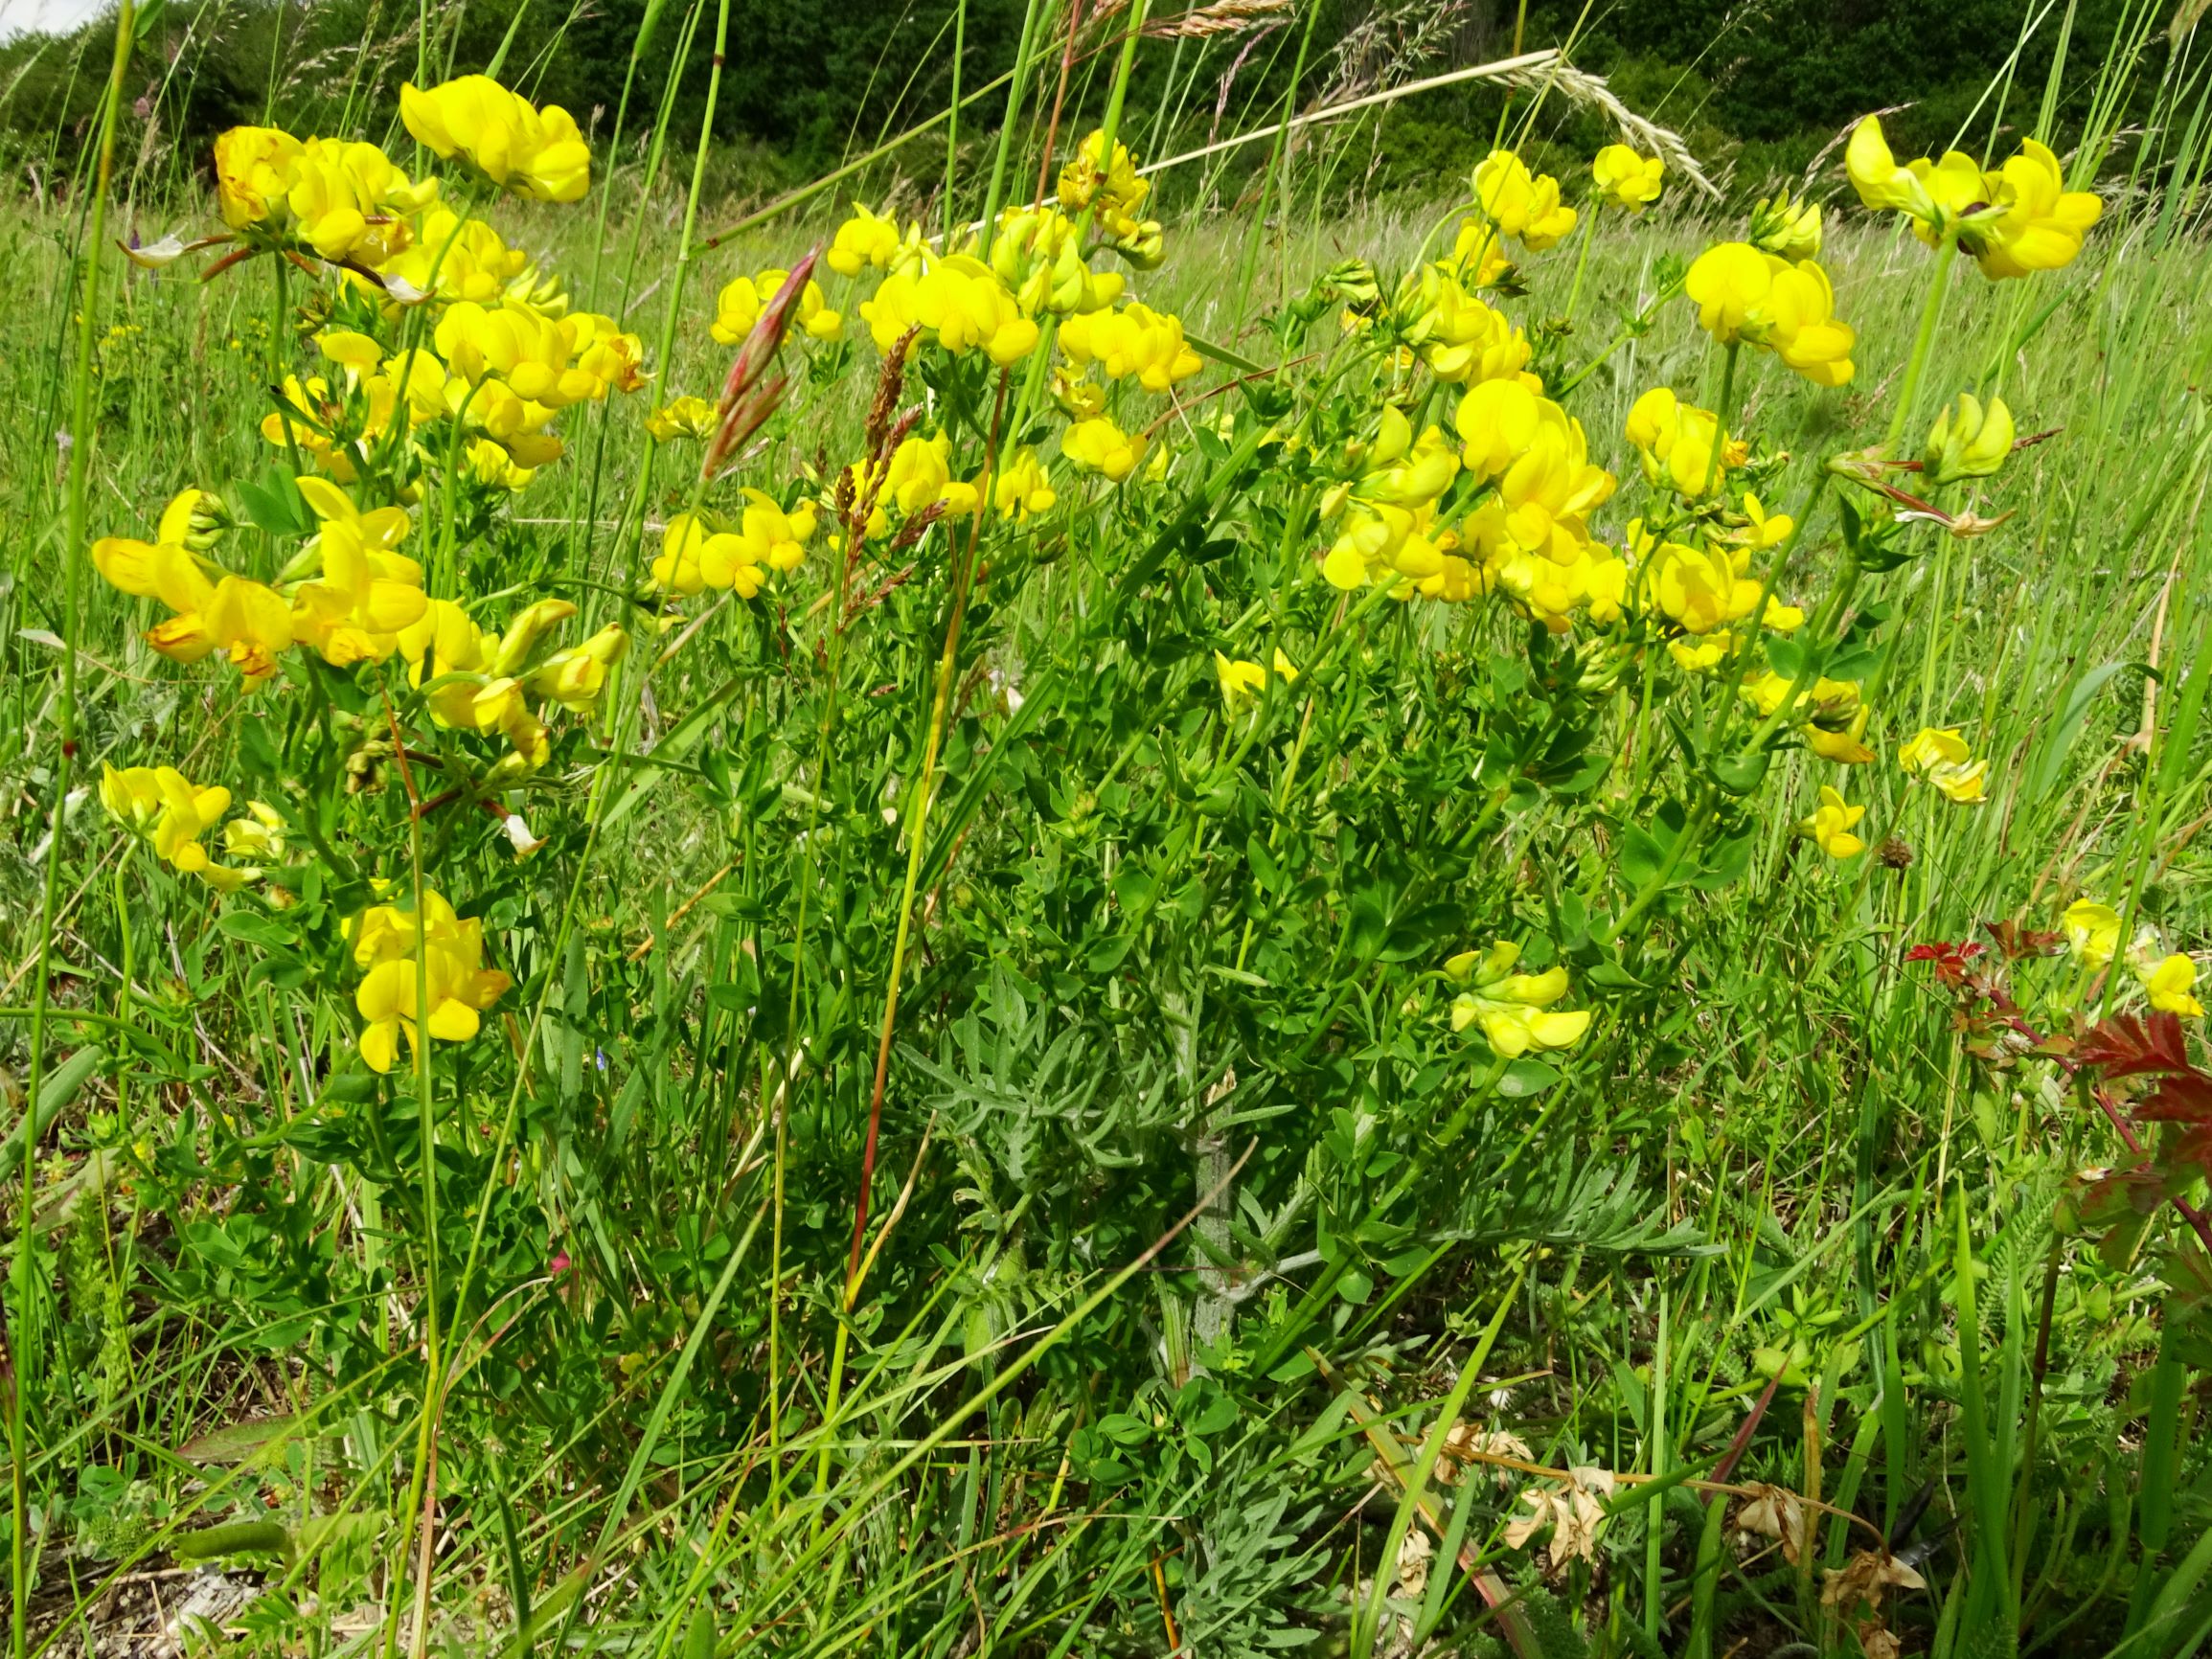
[
  {"x": 1968, "y": 440},
  {"x": 195, "y": 519},
  {"x": 1789, "y": 229},
  {"x": 525, "y": 631}
]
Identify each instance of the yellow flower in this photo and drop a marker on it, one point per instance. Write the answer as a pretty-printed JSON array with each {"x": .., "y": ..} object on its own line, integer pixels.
[
  {"x": 1099, "y": 445},
  {"x": 741, "y": 303},
  {"x": 365, "y": 593},
  {"x": 1515, "y": 1010},
  {"x": 1762, "y": 300},
  {"x": 1132, "y": 341},
  {"x": 532, "y": 153},
  {"x": 1088, "y": 177},
  {"x": 867, "y": 241},
  {"x": 960, "y": 301},
  {"x": 2018, "y": 219},
  {"x": 260, "y": 834},
  {"x": 444, "y": 639},
  {"x": 1764, "y": 529},
  {"x": 1941, "y": 756},
  {"x": 553, "y": 361},
  {"x": 1519, "y": 204},
  {"x": 435, "y": 954},
  {"x": 1458, "y": 335},
  {"x": 213, "y": 610},
  {"x": 1700, "y": 589},
  {"x": 1496, "y": 421},
  {"x": 2039, "y": 223},
  {"x": 920, "y": 475},
  {"x": 131, "y": 795},
  {"x": 1967, "y": 440},
  {"x": 1116, "y": 194},
  {"x": 685, "y": 418},
  {"x": 1676, "y": 441},
  {"x": 253, "y": 171},
  {"x": 1243, "y": 681},
  {"x": 1789, "y": 229},
  {"x": 1627, "y": 179},
  {"x": 1830, "y": 827},
  {"x": 171, "y": 813},
  {"x": 1699, "y": 655},
  {"x": 573, "y": 678},
  {"x": 1021, "y": 489},
  {"x": 2092, "y": 930},
  {"x": 2169, "y": 983},
  {"x": 1037, "y": 255},
  {"x": 344, "y": 200},
  {"x": 453, "y": 258},
  {"x": 694, "y": 557}
]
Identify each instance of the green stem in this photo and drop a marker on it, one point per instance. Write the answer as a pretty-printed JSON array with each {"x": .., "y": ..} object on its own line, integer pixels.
[
  {"x": 1628, "y": 331},
  {"x": 953, "y": 126},
  {"x": 18, "y": 1355},
  {"x": 1930, "y": 313},
  {"x": 1582, "y": 258},
  {"x": 1020, "y": 89},
  {"x": 918, "y": 833},
  {"x": 1718, "y": 464}
]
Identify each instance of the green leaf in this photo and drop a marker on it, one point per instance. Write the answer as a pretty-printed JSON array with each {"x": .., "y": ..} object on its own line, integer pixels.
[
  {"x": 1108, "y": 953},
  {"x": 1265, "y": 870},
  {"x": 1526, "y": 1077},
  {"x": 257, "y": 928},
  {"x": 275, "y": 505},
  {"x": 1370, "y": 927}
]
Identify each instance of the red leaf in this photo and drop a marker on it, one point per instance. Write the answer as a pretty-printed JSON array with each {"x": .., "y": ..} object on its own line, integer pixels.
[
  {"x": 2185, "y": 1098},
  {"x": 2127, "y": 1047}
]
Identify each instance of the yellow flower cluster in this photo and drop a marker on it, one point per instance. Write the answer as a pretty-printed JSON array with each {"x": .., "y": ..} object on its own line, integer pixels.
[
  {"x": 959, "y": 304},
  {"x": 422, "y": 970},
  {"x": 506, "y": 353},
  {"x": 1676, "y": 442},
  {"x": 1456, "y": 334},
  {"x": 448, "y": 257},
  {"x": 995, "y": 295},
  {"x": 351, "y": 598},
  {"x": 1747, "y": 296},
  {"x": 697, "y": 554},
  {"x": 1134, "y": 341},
  {"x": 1625, "y": 179},
  {"x": 742, "y": 300},
  {"x": 1518, "y": 203},
  {"x": 474, "y": 120},
  {"x": 1037, "y": 253},
  {"x": 476, "y": 680},
  {"x": 343, "y": 201},
  {"x": 1115, "y": 196},
  {"x": 1385, "y": 511},
  {"x": 1940, "y": 756},
  {"x": 2018, "y": 219},
  {"x": 1098, "y": 446},
  {"x": 170, "y": 812},
  {"x": 870, "y": 241},
  {"x": 1531, "y": 540},
  {"x": 1515, "y": 1010}
]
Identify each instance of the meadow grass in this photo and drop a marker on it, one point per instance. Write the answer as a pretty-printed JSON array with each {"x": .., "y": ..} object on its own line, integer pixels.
[{"x": 1195, "y": 1236}]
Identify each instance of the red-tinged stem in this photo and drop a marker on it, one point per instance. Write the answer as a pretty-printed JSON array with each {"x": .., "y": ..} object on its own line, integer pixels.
[
  {"x": 2198, "y": 1221},
  {"x": 963, "y": 581}
]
